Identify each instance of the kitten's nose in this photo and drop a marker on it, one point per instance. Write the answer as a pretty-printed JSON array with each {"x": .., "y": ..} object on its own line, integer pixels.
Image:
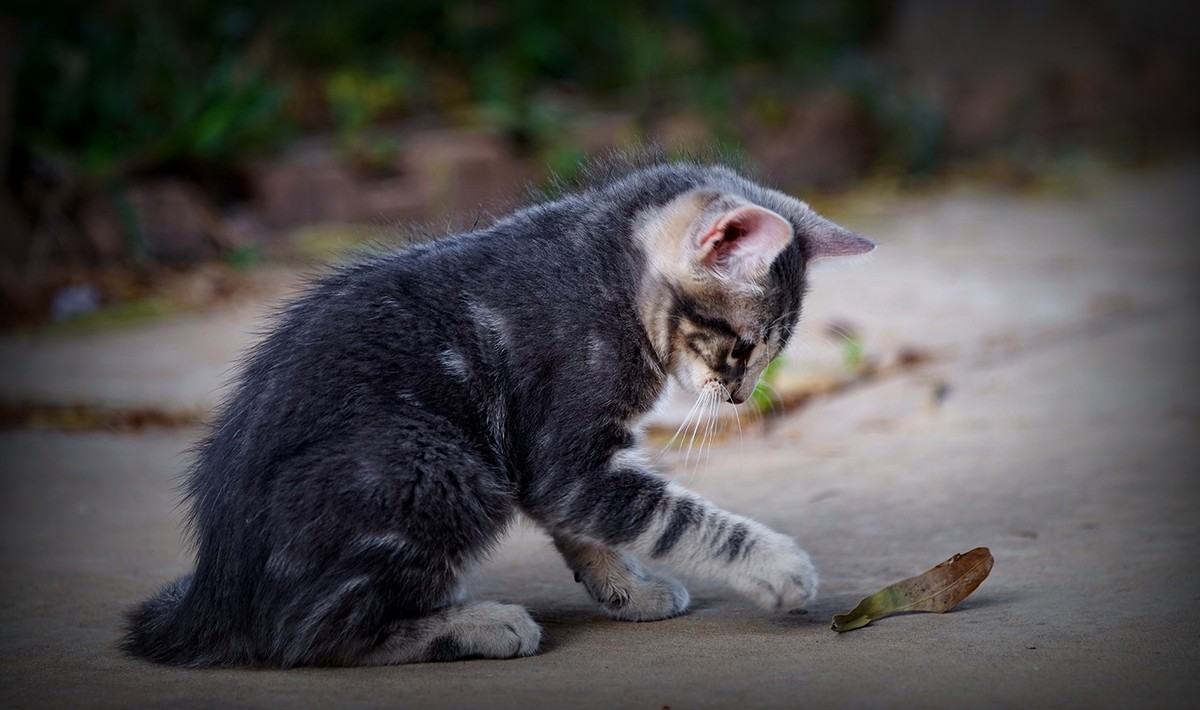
[{"x": 735, "y": 392}]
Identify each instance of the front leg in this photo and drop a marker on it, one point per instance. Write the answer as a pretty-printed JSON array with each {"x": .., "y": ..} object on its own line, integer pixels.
[
  {"x": 624, "y": 589},
  {"x": 625, "y": 507},
  {"x": 693, "y": 535}
]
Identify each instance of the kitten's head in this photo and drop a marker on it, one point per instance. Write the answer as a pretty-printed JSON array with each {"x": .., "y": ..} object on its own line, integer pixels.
[{"x": 726, "y": 275}]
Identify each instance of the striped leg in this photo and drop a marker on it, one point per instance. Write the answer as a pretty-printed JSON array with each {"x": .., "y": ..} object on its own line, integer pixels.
[
  {"x": 690, "y": 534},
  {"x": 632, "y": 511}
]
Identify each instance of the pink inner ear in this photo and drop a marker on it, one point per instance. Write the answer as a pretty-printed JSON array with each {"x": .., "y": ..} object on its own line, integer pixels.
[{"x": 743, "y": 242}]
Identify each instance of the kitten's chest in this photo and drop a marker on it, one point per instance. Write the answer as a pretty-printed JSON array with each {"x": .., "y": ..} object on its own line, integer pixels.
[{"x": 638, "y": 384}]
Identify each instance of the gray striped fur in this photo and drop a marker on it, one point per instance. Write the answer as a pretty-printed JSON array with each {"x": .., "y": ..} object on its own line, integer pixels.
[{"x": 381, "y": 437}]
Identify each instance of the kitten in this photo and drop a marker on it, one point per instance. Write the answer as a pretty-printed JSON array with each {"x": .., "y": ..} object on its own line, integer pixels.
[{"x": 382, "y": 437}]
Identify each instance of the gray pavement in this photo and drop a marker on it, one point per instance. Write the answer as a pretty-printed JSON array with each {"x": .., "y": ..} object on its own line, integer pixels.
[{"x": 1055, "y": 421}]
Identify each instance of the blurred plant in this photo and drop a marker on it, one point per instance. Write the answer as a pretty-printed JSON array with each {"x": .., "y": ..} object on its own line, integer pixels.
[
  {"x": 764, "y": 397},
  {"x": 845, "y": 334},
  {"x": 565, "y": 161},
  {"x": 243, "y": 257},
  {"x": 852, "y": 353},
  {"x": 915, "y": 139},
  {"x": 115, "y": 89},
  {"x": 358, "y": 98},
  {"x": 912, "y": 123},
  {"x": 127, "y": 87},
  {"x": 503, "y": 57},
  {"x": 123, "y": 88}
]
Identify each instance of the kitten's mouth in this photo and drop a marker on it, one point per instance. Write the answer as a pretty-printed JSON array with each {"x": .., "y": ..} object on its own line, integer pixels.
[{"x": 735, "y": 399}]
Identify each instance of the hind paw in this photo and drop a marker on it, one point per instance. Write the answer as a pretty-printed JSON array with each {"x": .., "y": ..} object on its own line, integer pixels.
[{"x": 487, "y": 630}]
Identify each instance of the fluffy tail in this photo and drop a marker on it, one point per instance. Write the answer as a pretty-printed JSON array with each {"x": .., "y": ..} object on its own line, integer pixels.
[{"x": 159, "y": 631}]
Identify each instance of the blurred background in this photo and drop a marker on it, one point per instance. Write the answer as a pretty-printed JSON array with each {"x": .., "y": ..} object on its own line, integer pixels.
[
  {"x": 142, "y": 140},
  {"x": 1014, "y": 367}
]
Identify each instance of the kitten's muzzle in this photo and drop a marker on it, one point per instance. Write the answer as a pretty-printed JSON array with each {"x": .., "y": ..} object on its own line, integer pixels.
[{"x": 737, "y": 391}]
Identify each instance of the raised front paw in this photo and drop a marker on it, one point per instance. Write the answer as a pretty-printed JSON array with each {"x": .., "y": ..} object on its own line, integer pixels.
[{"x": 779, "y": 575}]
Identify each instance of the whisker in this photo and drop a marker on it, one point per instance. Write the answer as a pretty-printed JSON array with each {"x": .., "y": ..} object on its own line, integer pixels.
[
  {"x": 714, "y": 417},
  {"x": 776, "y": 395},
  {"x": 786, "y": 315},
  {"x": 690, "y": 433},
  {"x": 704, "y": 438},
  {"x": 712, "y": 429},
  {"x": 712, "y": 403},
  {"x": 737, "y": 418},
  {"x": 806, "y": 346},
  {"x": 683, "y": 424},
  {"x": 688, "y": 457}
]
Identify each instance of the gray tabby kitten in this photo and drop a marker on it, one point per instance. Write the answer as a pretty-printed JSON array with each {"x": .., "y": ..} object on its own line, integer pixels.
[{"x": 382, "y": 437}]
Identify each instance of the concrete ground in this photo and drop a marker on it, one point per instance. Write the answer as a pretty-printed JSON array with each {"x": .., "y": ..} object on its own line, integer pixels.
[{"x": 1054, "y": 418}]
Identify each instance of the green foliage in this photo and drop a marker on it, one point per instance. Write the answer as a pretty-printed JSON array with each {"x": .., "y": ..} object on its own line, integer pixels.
[
  {"x": 243, "y": 258},
  {"x": 517, "y": 64},
  {"x": 107, "y": 90},
  {"x": 912, "y": 123},
  {"x": 117, "y": 88},
  {"x": 762, "y": 400},
  {"x": 358, "y": 97},
  {"x": 852, "y": 352}
]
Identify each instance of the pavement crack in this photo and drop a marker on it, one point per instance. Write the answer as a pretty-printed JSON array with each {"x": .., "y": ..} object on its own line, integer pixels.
[{"x": 90, "y": 417}]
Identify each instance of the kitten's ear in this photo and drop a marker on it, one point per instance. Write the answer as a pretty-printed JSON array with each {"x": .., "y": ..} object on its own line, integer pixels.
[
  {"x": 827, "y": 239},
  {"x": 743, "y": 242}
]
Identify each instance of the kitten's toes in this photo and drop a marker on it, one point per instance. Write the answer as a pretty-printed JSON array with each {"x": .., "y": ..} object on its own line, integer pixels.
[
  {"x": 651, "y": 598},
  {"x": 493, "y": 630},
  {"x": 628, "y": 592},
  {"x": 783, "y": 578}
]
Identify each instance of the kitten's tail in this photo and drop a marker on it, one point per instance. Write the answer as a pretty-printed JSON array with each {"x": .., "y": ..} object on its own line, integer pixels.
[{"x": 159, "y": 631}]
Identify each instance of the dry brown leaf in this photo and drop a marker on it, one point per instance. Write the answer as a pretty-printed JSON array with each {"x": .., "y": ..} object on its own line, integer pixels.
[{"x": 938, "y": 590}]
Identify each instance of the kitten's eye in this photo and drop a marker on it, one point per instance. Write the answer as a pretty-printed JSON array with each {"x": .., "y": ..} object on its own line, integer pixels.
[{"x": 742, "y": 349}]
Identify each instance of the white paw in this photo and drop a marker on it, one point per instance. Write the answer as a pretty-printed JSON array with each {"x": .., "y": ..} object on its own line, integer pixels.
[
  {"x": 494, "y": 630},
  {"x": 779, "y": 575}
]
